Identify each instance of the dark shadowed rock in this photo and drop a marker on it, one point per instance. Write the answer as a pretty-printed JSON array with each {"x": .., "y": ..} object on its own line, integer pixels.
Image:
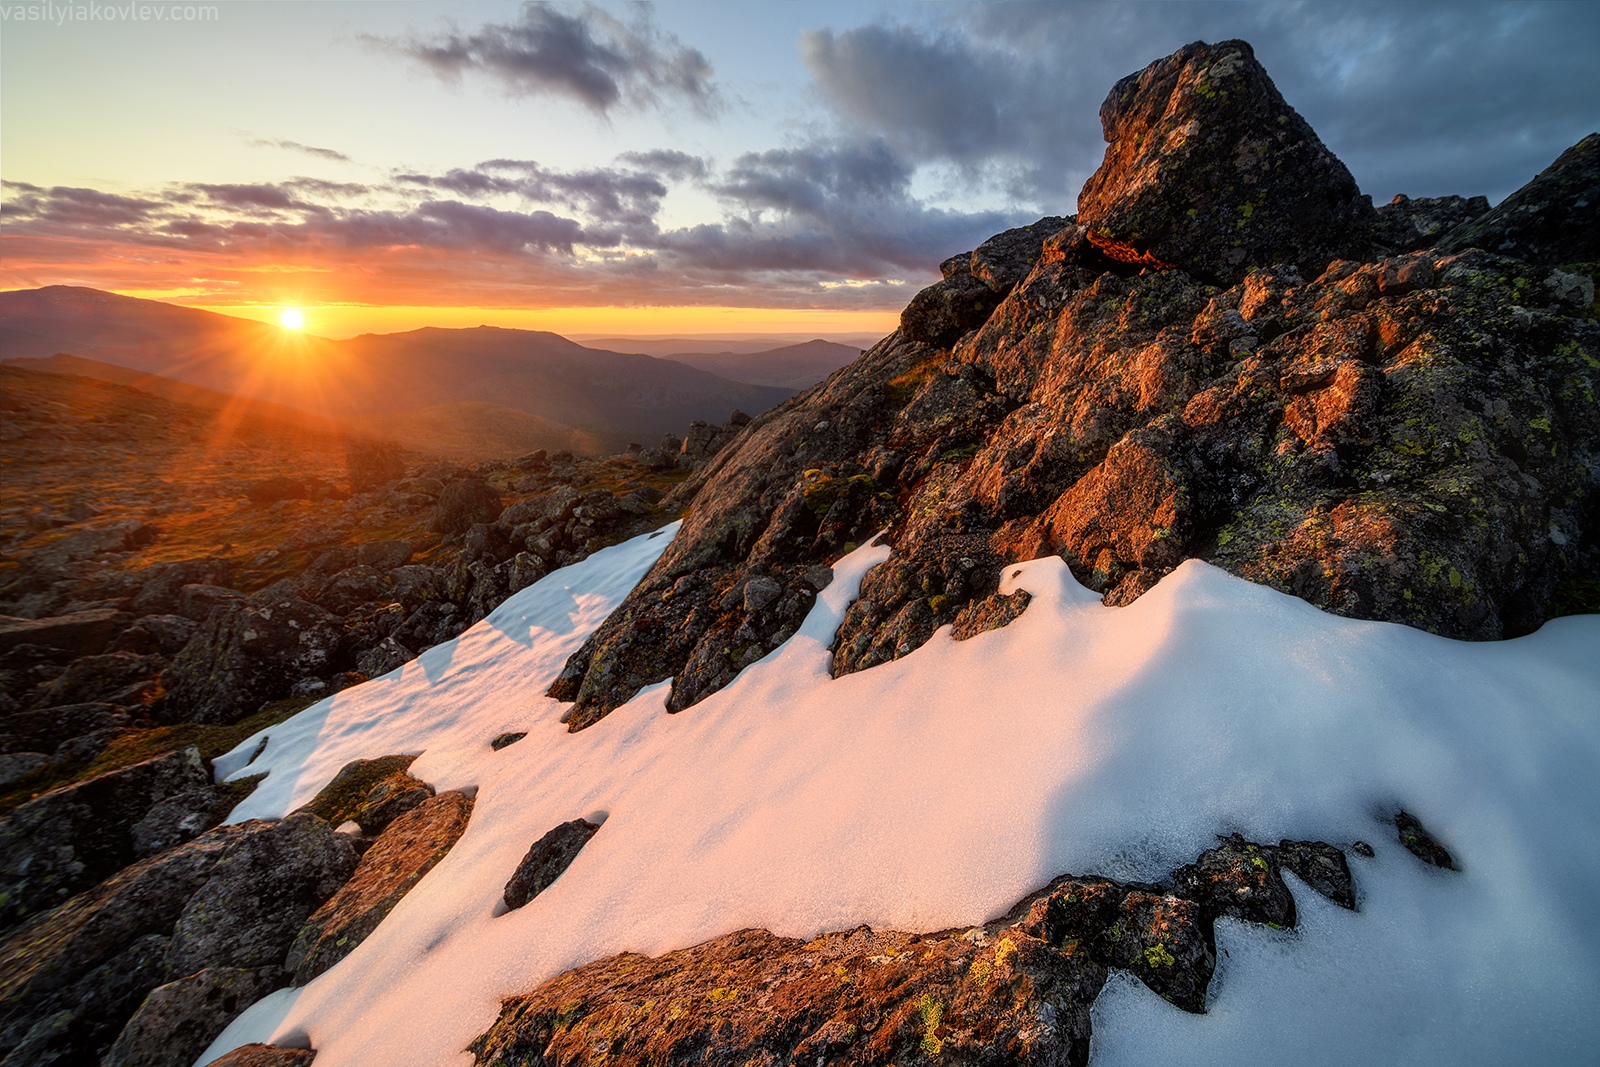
[
  {"x": 549, "y": 857},
  {"x": 1410, "y": 224},
  {"x": 248, "y": 654},
  {"x": 181, "y": 818},
  {"x": 1322, "y": 867},
  {"x": 257, "y": 1055},
  {"x": 1208, "y": 169},
  {"x": 258, "y": 894},
  {"x": 1551, "y": 221},
  {"x": 113, "y": 928},
  {"x": 404, "y": 852},
  {"x": 71, "y": 838},
  {"x": 384, "y": 555},
  {"x": 161, "y": 586},
  {"x": 160, "y": 634},
  {"x": 111, "y": 677},
  {"x": 43, "y": 730},
  {"x": 945, "y": 310},
  {"x": 99, "y": 1001},
  {"x": 464, "y": 502},
  {"x": 1420, "y": 843},
  {"x": 177, "y": 1021},
  {"x": 79, "y": 633},
  {"x": 504, "y": 740}
]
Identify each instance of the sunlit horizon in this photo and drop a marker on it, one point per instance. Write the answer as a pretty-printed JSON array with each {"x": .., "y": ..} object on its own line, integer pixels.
[{"x": 340, "y": 321}]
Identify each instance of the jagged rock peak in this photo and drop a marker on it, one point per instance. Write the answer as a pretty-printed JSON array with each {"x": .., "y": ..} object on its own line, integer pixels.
[
  {"x": 1208, "y": 169},
  {"x": 1552, "y": 221}
]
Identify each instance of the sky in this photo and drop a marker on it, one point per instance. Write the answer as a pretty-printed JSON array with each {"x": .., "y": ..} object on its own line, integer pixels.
[{"x": 711, "y": 167}]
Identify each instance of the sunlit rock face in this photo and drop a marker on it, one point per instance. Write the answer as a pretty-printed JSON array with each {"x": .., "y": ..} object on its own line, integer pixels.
[
  {"x": 1209, "y": 361},
  {"x": 1208, "y": 169}
]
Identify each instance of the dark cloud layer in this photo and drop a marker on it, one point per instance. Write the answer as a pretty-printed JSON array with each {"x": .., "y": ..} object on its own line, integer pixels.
[
  {"x": 1424, "y": 98},
  {"x": 588, "y": 56},
  {"x": 830, "y": 223}
]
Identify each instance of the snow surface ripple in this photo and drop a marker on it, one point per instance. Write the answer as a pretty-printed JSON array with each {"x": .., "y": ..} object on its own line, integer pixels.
[{"x": 936, "y": 790}]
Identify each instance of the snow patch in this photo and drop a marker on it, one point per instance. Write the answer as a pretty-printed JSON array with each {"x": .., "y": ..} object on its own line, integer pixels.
[{"x": 936, "y": 790}]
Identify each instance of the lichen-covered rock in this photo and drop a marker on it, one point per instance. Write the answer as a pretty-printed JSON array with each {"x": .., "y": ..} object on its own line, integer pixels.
[
  {"x": 1553, "y": 220},
  {"x": 365, "y": 791},
  {"x": 860, "y": 997},
  {"x": 186, "y": 816},
  {"x": 404, "y": 852},
  {"x": 547, "y": 860},
  {"x": 1239, "y": 879},
  {"x": 177, "y": 1021},
  {"x": 258, "y": 894},
  {"x": 1207, "y": 168},
  {"x": 249, "y": 654},
  {"x": 71, "y": 838},
  {"x": 1413, "y": 439},
  {"x": 1410, "y": 224},
  {"x": 115, "y": 929},
  {"x": 258, "y": 1055},
  {"x": 1017, "y": 990}
]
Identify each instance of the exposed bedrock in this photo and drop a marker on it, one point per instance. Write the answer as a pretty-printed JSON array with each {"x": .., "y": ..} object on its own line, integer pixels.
[
  {"x": 1017, "y": 990},
  {"x": 1412, "y": 437}
]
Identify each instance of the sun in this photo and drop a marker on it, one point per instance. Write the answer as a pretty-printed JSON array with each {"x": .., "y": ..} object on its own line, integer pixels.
[{"x": 291, "y": 318}]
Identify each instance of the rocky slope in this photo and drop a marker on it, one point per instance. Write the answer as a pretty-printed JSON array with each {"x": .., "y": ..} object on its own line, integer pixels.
[{"x": 1229, "y": 355}]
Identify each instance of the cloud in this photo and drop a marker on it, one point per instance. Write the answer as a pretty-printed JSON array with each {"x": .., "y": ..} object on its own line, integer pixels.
[
  {"x": 821, "y": 223},
  {"x": 296, "y": 146},
  {"x": 1425, "y": 98},
  {"x": 668, "y": 162},
  {"x": 588, "y": 56}
]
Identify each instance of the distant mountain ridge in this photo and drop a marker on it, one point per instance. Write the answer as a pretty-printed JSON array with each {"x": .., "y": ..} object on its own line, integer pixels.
[
  {"x": 584, "y": 397},
  {"x": 798, "y": 366}
]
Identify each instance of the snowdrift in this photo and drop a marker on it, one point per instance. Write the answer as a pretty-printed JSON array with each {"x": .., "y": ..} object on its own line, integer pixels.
[{"x": 935, "y": 790}]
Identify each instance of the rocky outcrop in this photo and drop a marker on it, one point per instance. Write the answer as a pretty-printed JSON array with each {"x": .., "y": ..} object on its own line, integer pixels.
[
  {"x": 547, "y": 860},
  {"x": 249, "y": 654},
  {"x": 258, "y": 1055},
  {"x": 1208, "y": 169},
  {"x": 69, "y": 839},
  {"x": 177, "y": 1021},
  {"x": 1014, "y": 991},
  {"x": 258, "y": 894},
  {"x": 404, "y": 852},
  {"x": 1181, "y": 373},
  {"x": 1549, "y": 222},
  {"x": 371, "y": 793},
  {"x": 234, "y": 896}
]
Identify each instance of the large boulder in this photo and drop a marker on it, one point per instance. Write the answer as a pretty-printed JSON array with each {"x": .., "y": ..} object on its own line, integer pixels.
[
  {"x": 465, "y": 501},
  {"x": 1208, "y": 169},
  {"x": 258, "y": 894},
  {"x": 248, "y": 654},
  {"x": 179, "y": 1020},
  {"x": 71, "y": 838},
  {"x": 1411, "y": 439},
  {"x": 1551, "y": 221},
  {"x": 117, "y": 927},
  {"x": 405, "y": 851}
]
